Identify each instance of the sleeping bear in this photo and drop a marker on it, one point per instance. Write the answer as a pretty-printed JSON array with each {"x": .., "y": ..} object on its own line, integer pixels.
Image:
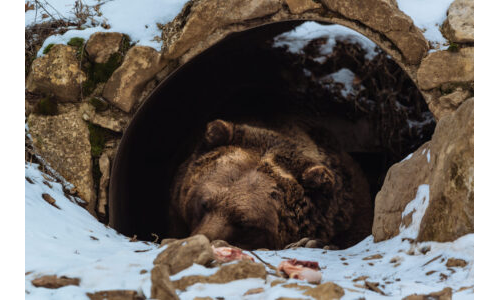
[{"x": 258, "y": 186}]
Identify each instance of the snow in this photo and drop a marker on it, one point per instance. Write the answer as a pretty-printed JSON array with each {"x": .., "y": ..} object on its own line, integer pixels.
[
  {"x": 428, "y": 15},
  {"x": 298, "y": 38},
  {"x": 138, "y": 19},
  {"x": 58, "y": 241},
  {"x": 408, "y": 157},
  {"x": 195, "y": 269},
  {"x": 416, "y": 208},
  {"x": 344, "y": 76}
]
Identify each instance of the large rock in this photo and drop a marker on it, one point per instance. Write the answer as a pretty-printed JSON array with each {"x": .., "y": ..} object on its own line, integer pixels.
[
  {"x": 125, "y": 86},
  {"x": 63, "y": 141},
  {"x": 448, "y": 103},
  {"x": 459, "y": 25},
  {"x": 446, "y": 67},
  {"x": 57, "y": 73},
  {"x": 326, "y": 291},
  {"x": 204, "y": 16},
  {"x": 54, "y": 282},
  {"x": 446, "y": 163},
  {"x": 400, "y": 187},
  {"x": 161, "y": 286},
  {"x": 450, "y": 214},
  {"x": 182, "y": 254},
  {"x": 115, "y": 295},
  {"x": 112, "y": 119},
  {"x": 300, "y": 6},
  {"x": 445, "y": 294},
  {"x": 385, "y": 17},
  {"x": 101, "y": 45},
  {"x": 227, "y": 273}
]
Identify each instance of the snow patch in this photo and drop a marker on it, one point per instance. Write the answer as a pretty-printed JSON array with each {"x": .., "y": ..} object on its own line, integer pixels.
[
  {"x": 428, "y": 15},
  {"x": 344, "y": 76},
  {"x": 138, "y": 19},
  {"x": 416, "y": 208},
  {"x": 298, "y": 38},
  {"x": 195, "y": 269},
  {"x": 408, "y": 157}
]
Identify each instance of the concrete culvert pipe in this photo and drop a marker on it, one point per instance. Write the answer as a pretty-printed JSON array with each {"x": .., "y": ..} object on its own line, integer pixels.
[{"x": 378, "y": 118}]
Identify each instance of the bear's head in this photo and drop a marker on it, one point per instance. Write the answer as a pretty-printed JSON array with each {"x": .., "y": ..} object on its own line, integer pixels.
[{"x": 233, "y": 189}]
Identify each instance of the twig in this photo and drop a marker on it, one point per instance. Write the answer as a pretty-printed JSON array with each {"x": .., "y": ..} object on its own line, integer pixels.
[
  {"x": 156, "y": 237},
  {"x": 278, "y": 273}
]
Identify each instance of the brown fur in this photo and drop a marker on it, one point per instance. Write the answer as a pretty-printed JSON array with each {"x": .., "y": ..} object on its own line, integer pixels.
[{"x": 265, "y": 188}]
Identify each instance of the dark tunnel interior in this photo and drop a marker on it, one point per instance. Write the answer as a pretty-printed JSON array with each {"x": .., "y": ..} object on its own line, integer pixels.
[{"x": 243, "y": 76}]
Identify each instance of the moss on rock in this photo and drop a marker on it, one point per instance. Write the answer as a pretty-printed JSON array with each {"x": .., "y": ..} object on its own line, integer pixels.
[
  {"x": 78, "y": 43},
  {"x": 99, "y": 104},
  {"x": 453, "y": 47},
  {"x": 101, "y": 72},
  {"x": 47, "y": 48},
  {"x": 47, "y": 106},
  {"x": 98, "y": 137}
]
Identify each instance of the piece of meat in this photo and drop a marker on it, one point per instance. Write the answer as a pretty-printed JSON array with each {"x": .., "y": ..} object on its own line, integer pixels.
[
  {"x": 227, "y": 254},
  {"x": 301, "y": 269}
]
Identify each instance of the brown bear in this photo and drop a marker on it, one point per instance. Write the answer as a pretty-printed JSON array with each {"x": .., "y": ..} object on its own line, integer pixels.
[{"x": 261, "y": 187}]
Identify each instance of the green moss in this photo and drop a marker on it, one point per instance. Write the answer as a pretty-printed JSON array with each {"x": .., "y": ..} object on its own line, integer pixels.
[
  {"x": 47, "y": 106},
  {"x": 101, "y": 72},
  {"x": 98, "y": 137},
  {"x": 453, "y": 47},
  {"x": 96, "y": 172},
  {"x": 78, "y": 43},
  {"x": 100, "y": 105},
  {"x": 126, "y": 44},
  {"x": 47, "y": 49}
]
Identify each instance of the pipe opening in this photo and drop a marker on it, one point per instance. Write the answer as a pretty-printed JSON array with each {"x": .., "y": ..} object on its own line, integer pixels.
[{"x": 350, "y": 87}]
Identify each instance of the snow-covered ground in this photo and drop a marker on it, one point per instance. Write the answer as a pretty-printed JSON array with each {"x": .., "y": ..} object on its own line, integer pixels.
[
  {"x": 70, "y": 242},
  {"x": 138, "y": 19}
]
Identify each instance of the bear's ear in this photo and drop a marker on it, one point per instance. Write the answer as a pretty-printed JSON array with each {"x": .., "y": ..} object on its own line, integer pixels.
[
  {"x": 219, "y": 133},
  {"x": 319, "y": 177}
]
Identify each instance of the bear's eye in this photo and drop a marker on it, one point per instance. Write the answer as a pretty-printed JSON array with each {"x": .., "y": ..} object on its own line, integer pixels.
[{"x": 204, "y": 205}]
